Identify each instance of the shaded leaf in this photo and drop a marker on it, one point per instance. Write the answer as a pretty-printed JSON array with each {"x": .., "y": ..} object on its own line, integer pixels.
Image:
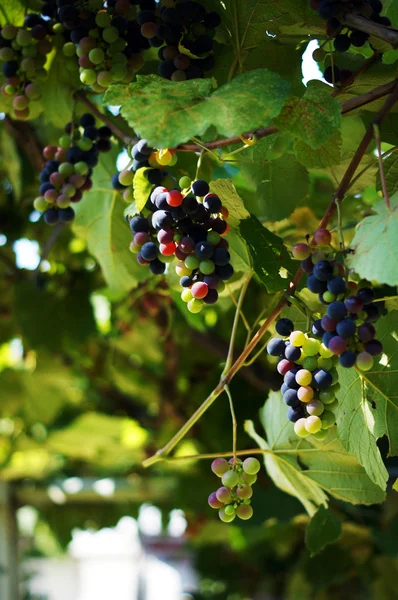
[
  {"x": 230, "y": 198},
  {"x": 12, "y": 164},
  {"x": 391, "y": 174},
  {"x": 323, "y": 529},
  {"x": 326, "y": 155},
  {"x": 375, "y": 255}
]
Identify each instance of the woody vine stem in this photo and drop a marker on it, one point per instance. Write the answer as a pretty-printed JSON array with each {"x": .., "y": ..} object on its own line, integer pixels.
[{"x": 232, "y": 368}]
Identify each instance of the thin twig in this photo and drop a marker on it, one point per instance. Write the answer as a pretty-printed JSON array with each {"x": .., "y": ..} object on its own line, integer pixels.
[
  {"x": 56, "y": 232},
  {"x": 331, "y": 209},
  {"x": 230, "y": 355},
  {"x": 234, "y": 421},
  {"x": 376, "y": 130}
]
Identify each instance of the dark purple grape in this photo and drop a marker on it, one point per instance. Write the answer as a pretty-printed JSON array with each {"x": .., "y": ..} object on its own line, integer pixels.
[
  {"x": 307, "y": 265},
  {"x": 374, "y": 347},
  {"x": 366, "y": 332},
  {"x": 337, "y": 286},
  {"x": 337, "y": 310},
  {"x": 347, "y": 359},
  {"x": 366, "y": 295},
  {"x": 283, "y": 326},
  {"x": 315, "y": 286},
  {"x": 322, "y": 379},
  {"x": 294, "y": 414},
  {"x": 276, "y": 347},
  {"x": 346, "y": 328},
  {"x": 290, "y": 397},
  {"x": 317, "y": 329},
  {"x": 323, "y": 270},
  {"x": 292, "y": 352}
]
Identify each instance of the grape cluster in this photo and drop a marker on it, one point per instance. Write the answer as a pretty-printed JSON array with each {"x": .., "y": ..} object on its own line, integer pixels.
[
  {"x": 183, "y": 31},
  {"x": 188, "y": 225},
  {"x": 345, "y": 37},
  {"x": 67, "y": 173},
  {"x": 23, "y": 54},
  {"x": 146, "y": 157},
  {"x": 310, "y": 379},
  {"x": 106, "y": 39},
  {"x": 237, "y": 478},
  {"x": 346, "y": 328}
]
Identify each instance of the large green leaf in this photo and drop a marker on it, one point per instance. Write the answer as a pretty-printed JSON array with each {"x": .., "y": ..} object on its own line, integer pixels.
[
  {"x": 57, "y": 90},
  {"x": 230, "y": 198},
  {"x": 368, "y": 404},
  {"x": 390, "y": 165},
  {"x": 327, "y": 155},
  {"x": 314, "y": 118},
  {"x": 142, "y": 188},
  {"x": 271, "y": 261},
  {"x": 11, "y": 161},
  {"x": 323, "y": 529},
  {"x": 12, "y": 11},
  {"x": 375, "y": 255},
  {"x": 167, "y": 113},
  {"x": 307, "y": 468},
  {"x": 99, "y": 220}
]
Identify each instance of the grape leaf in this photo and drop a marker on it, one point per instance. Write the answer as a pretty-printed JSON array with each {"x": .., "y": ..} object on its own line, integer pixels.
[
  {"x": 12, "y": 11},
  {"x": 395, "y": 485},
  {"x": 13, "y": 163},
  {"x": 99, "y": 220},
  {"x": 230, "y": 198},
  {"x": 323, "y": 529},
  {"x": 57, "y": 92},
  {"x": 142, "y": 188},
  {"x": 167, "y": 114},
  {"x": 368, "y": 404},
  {"x": 314, "y": 118},
  {"x": 326, "y": 155},
  {"x": 391, "y": 173},
  {"x": 375, "y": 255},
  {"x": 307, "y": 468},
  {"x": 268, "y": 253}
]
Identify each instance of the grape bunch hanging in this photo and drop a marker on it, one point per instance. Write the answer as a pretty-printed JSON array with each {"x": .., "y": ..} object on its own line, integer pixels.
[
  {"x": 233, "y": 498},
  {"x": 184, "y": 32},
  {"x": 187, "y": 224},
  {"x": 344, "y": 336},
  {"x": 67, "y": 172},
  {"x": 345, "y": 37},
  {"x": 23, "y": 54}
]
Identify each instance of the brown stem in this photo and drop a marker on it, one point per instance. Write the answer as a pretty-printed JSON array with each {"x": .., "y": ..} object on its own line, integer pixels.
[
  {"x": 26, "y": 140},
  {"x": 127, "y": 140},
  {"x": 387, "y": 34},
  {"x": 226, "y": 379},
  {"x": 381, "y": 165}
]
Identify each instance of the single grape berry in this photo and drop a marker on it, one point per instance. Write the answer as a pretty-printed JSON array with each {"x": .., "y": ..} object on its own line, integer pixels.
[
  {"x": 284, "y": 327},
  {"x": 301, "y": 251},
  {"x": 230, "y": 479},
  {"x": 251, "y": 466},
  {"x": 276, "y": 347}
]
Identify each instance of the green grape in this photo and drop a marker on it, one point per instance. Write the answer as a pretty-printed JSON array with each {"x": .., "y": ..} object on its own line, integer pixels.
[
  {"x": 110, "y": 34},
  {"x": 81, "y": 168},
  {"x": 104, "y": 78},
  {"x": 9, "y": 32},
  {"x": 85, "y": 144},
  {"x": 230, "y": 479},
  {"x": 66, "y": 169},
  {"x": 20, "y": 102},
  {"x": 310, "y": 363},
  {"x": 65, "y": 141},
  {"x": 119, "y": 58},
  {"x": 126, "y": 177},
  {"x": 221, "y": 287},
  {"x": 329, "y": 297},
  {"x": 118, "y": 72},
  {"x": 320, "y": 435},
  {"x": 315, "y": 408},
  {"x": 326, "y": 396},
  {"x": 319, "y": 54},
  {"x": 245, "y": 491},
  {"x": 134, "y": 248},
  {"x": 224, "y": 517},
  {"x": 96, "y": 55},
  {"x": 195, "y": 305},
  {"x": 324, "y": 363},
  {"x": 206, "y": 267},
  {"x": 336, "y": 388},
  {"x": 7, "y": 54},
  {"x": 224, "y": 495},
  {"x": 304, "y": 377},
  {"x": 311, "y": 346},
  {"x": 328, "y": 419},
  {"x": 251, "y": 466},
  {"x": 88, "y": 76},
  {"x": 313, "y": 424},
  {"x": 249, "y": 479},
  {"x": 213, "y": 237},
  {"x": 300, "y": 429},
  {"x": 30, "y": 51},
  {"x": 40, "y": 204},
  {"x": 364, "y": 361},
  {"x": 69, "y": 190},
  {"x": 219, "y": 466},
  {"x": 325, "y": 352},
  {"x": 230, "y": 510},
  {"x": 186, "y": 295},
  {"x": 166, "y": 259},
  {"x": 305, "y": 393},
  {"x": 297, "y": 338},
  {"x": 102, "y": 19},
  {"x": 185, "y": 183},
  {"x": 191, "y": 262},
  {"x": 118, "y": 46},
  {"x": 333, "y": 405},
  {"x": 244, "y": 512},
  {"x": 63, "y": 201},
  {"x": 24, "y": 38},
  {"x": 335, "y": 375},
  {"x": 32, "y": 91},
  {"x": 69, "y": 49}
]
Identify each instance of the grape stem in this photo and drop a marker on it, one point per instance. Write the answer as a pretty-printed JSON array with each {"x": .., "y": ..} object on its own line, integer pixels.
[
  {"x": 387, "y": 34},
  {"x": 228, "y": 375},
  {"x": 234, "y": 421},
  {"x": 376, "y": 130}
]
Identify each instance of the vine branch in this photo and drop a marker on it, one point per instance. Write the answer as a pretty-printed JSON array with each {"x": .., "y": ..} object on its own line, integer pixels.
[
  {"x": 331, "y": 209},
  {"x": 387, "y": 34}
]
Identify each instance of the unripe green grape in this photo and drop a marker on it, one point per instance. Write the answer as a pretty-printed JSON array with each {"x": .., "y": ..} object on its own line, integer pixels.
[
  {"x": 69, "y": 190},
  {"x": 300, "y": 428},
  {"x": 69, "y": 49},
  {"x": 336, "y": 388},
  {"x": 98, "y": 88},
  {"x": 244, "y": 512},
  {"x": 10, "y": 90},
  {"x": 319, "y": 54},
  {"x": 206, "y": 267},
  {"x": 305, "y": 394},
  {"x": 118, "y": 46},
  {"x": 119, "y": 59},
  {"x": 32, "y": 91},
  {"x": 213, "y": 237},
  {"x": 219, "y": 466},
  {"x": 15, "y": 46},
  {"x": 325, "y": 363},
  {"x": 301, "y": 251},
  {"x": 230, "y": 510},
  {"x": 329, "y": 297},
  {"x": 85, "y": 144},
  {"x": 310, "y": 363},
  {"x": 335, "y": 376},
  {"x": 66, "y": 169},
  {"x": 221, "y": 287},
  {"x": 320, "y": 435},
  {"x": 364, "y": 361},
  {"x": 328, "y": 419},
  {"x": 104, "y": 78},
  {"x": 244, "y": 491},
  {"x": 118, "y": 72},
  {"x": 186, "y": 295},
  {"x": 225, "y": 518},
  {"x": 297, "y": 338},
  {"x": 230, "y": 479},
  {"x": 313, "y": 424},
  {"x": 40, "y": 204},
  {"x": 315, "y": 408},
  {"x": 20, "y": 102},
  {"x": 195, "y": 306},
  {"x": 81, "y": 168},
  {"x": 134, "y": 248},
  {"x": 7, "y": 54},
  {"x": 185, "y": 182},
  {"x": 177, "y": 237},
  {"x": 88, "y": 76},
  {"x": 102, "y": 18},
  {"x": 304, "y": 377},
  {"x": 30, "y": 51},
  {"x": 311, "y": 346},
  {"x": 97, "y": 56},
  {"x": 182, "y": 269},
  {"x": 191, "y": 262},
  {"x": 251, "y": 465},
  {"x": 65, "y": 141},
  {"x": 249, "y": 479},
  {"x": 327, "y": 396},
  {"x": 333, "y": 405},
  {"x": 166, "y": 259},
  {"x": 110, "y": 34},
  {"x": 325, "y": 352},
  {"x": 126, "y": 177},
  {"x": 24, "y": 38},
  {"x": 63, "y": 201},
  {"x": 9, "y": 32}
]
